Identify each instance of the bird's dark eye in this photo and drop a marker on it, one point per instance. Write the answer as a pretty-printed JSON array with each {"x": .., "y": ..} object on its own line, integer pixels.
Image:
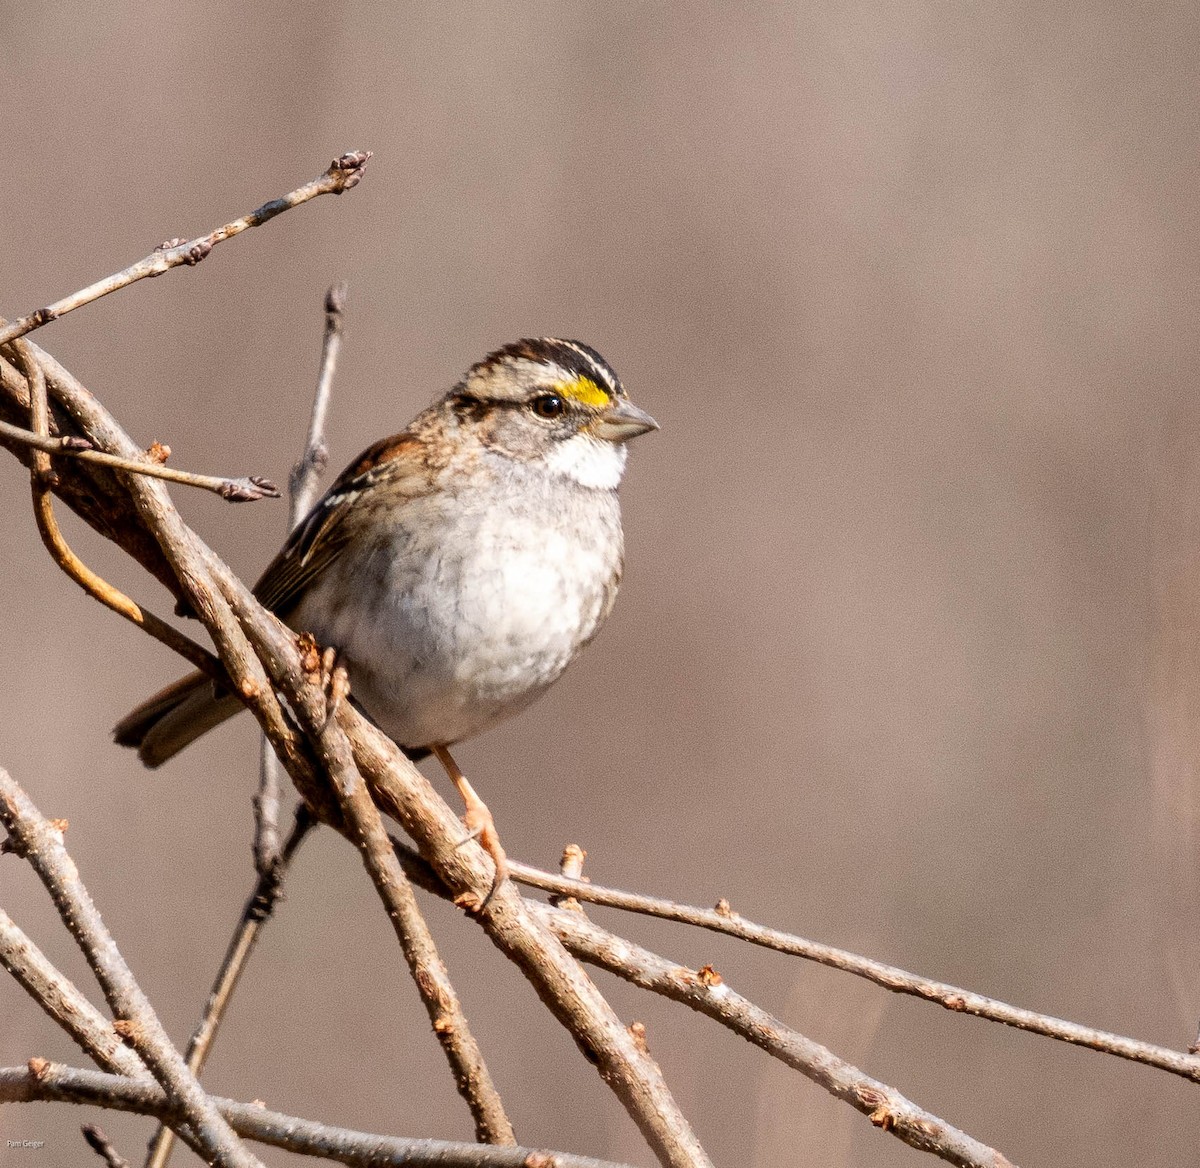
[{"x": 548, "y": 405}]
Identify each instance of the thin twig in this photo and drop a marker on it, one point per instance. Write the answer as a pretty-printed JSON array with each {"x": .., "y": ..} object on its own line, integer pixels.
[
  {"x": 95, "y": 493},
  {"x": 38, "y": 841},
  {"x": 53, "y": 1082},
  {"x": 432, "y": 979},
  {"x": 955, "y": 998},
  {"x": 258, "y": 910},
  {"x": 705, "y": 991},
  {"x": 306, "y": 474},
  {"x": 60, "y": 550},
  {"x": 302, "y": 490},
  {"x": 343, "y": 173},
  {"x": 239, "y": 490},
  {"x": 247, "y": 679},
  {"x": 63, "y": 1001},
  {"x": 100, "y": 1144}
]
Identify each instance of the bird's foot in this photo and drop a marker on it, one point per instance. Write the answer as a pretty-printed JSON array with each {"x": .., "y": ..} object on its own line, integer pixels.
[{"x": 478, "y": 821}]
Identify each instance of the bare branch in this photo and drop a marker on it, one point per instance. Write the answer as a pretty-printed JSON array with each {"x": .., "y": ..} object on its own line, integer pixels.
[
  {"x": 952, "y": 997},
  {"x": 96, "y": 494},
  {"x": 100, "y": 1144},
  {"x": 41, "y": 479},
  {"x": 35, "y": 839},
  {"x": 302, "y": 489},
  {"x": 181, "y": 550},
  {"x": 306, "y": 474},
  {"x": 343, "y": 173},
  {"x": 57, "y": 1083},
  {"x": 239, "y": 490},
  {"x": 624, "y": 1063},
  {"x": 707, "y": 992},
  {"x": 63, "y": 1001},
  {"x": 258, "y": 910},
  {"x": 366, "y": 830}
]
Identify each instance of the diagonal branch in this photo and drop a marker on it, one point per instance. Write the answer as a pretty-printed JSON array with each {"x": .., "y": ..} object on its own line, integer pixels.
[
  {"x": 33, "y": 837},
  {"x": 255, "y": 914},
  {"x": 571, "y": 996},
  {"x": 193, "y": 581},
  {"x": 366, "y": 830},
  {"x": 705, "y": 991},
  {"x": 343, "y": 173},
  {"x": 41, "y": 480},
  {"x": 63, "y": 1001},
  {"x": 723, "y": 920}
]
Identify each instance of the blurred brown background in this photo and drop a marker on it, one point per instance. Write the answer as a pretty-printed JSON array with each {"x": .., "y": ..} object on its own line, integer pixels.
[{"x": 906, "y": 658}]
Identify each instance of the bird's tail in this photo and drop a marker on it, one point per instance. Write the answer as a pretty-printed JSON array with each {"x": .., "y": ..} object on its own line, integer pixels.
[{"x": 174, "y": 718}]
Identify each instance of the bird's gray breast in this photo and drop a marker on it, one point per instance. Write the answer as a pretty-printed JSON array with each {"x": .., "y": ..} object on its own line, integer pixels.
[{"x": 463, "y": 607}]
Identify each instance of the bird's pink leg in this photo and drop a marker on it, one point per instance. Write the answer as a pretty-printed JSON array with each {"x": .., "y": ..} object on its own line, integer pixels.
[{"x": 478, "y": 819}]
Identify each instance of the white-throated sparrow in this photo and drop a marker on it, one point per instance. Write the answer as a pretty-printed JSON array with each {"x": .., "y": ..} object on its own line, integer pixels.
[{"x": 458, "y": 567}]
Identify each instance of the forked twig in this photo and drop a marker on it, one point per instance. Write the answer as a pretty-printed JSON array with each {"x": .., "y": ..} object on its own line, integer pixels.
[
  {"x": 343, "y": 173},
  {"x": 247, "y": 489},
  {"x": 723, "y": 920},
  {"x": 432, "y": 979},
  {"x": 60, "y": 550},
  {"x": 63, "y": 1001},
  {"x": 41, "y": 844},
  {"x": 705, "y": 990},
  {"x": 621, "y": 1058}
]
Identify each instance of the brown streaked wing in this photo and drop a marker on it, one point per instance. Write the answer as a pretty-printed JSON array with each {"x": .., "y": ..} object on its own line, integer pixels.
[{"x": 398, "y": 461}]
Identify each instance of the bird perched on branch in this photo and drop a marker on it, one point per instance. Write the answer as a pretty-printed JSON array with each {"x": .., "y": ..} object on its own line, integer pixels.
[{"x": 458, "y": 567}]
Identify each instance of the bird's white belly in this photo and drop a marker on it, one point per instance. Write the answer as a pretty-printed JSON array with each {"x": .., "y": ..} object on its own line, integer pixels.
[{"x": 455, "y": 642}]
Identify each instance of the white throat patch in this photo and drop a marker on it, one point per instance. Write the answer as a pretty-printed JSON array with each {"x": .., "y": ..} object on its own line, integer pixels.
[{"x": 591, "y": 462}]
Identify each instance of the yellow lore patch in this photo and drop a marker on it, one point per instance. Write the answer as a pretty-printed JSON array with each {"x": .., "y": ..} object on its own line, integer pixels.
[{"x": 585, "y": 391}]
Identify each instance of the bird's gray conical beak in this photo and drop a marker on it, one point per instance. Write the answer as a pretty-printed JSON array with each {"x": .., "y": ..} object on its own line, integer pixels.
[{"x": 622, "y": 421}]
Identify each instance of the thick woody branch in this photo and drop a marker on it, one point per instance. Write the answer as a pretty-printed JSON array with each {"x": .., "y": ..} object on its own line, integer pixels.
[
  {"x": 41, "y": 844},
  {"x": 343, "y": 173},
  {"x": 705, "y": 991},
  {"x": 41, "y": 480},
  {"x": 621, "y": 1058},
  {"x": 51, "y": 1082},
  {"x": 365, "y": 829}
]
